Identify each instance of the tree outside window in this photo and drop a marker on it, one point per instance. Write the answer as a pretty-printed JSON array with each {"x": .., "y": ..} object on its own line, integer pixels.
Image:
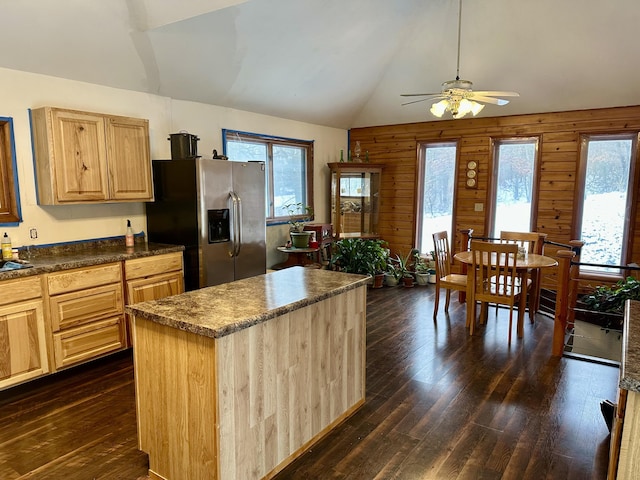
[
  {"x": 437, "y": 190},
  {"x": 513, "y": 192},
  {"x": 607, "y": 180}
]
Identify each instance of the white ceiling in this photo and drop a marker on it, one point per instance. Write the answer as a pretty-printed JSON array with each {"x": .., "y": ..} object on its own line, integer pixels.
[{"x": 341, "y": 63}]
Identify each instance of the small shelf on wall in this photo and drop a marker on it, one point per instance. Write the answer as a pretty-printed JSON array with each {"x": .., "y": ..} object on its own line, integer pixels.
[{"x": 355, "y": 199}]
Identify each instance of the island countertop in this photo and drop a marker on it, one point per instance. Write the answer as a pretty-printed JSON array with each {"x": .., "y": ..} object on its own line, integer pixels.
[
  {"x": 630, "y": 365},
  {"x": 224, "y": 309}
]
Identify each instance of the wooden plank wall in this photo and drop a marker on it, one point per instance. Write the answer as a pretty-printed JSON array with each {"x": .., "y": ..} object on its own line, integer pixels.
[{"x": 559, "y": 135}]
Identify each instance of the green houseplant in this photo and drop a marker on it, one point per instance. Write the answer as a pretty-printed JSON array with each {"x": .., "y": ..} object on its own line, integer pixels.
[
  {"x": 421, "y": 268},
  {"x": 299, "y": 213},
  {"x": 359, "y": 255},
  {"x": 401, "y": 266},
  {"x": 609, "y": 302}
]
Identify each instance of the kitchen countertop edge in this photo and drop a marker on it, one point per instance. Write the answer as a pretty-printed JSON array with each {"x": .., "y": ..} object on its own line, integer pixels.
[
  {"x": 172, "y": 312},
  {"x": 87, "y": 257},
  {"x": 630, "y": 365}
]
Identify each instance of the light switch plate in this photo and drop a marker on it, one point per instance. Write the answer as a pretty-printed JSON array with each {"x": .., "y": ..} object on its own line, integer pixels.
[{"x": 479, "y": 207}]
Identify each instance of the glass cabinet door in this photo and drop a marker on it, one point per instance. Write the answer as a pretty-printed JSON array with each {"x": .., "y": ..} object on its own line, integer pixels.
[{"x": 355, "y": 199}]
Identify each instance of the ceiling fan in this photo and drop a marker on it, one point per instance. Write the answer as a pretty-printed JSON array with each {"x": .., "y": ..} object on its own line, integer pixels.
[{"x": 457, "y": 96}]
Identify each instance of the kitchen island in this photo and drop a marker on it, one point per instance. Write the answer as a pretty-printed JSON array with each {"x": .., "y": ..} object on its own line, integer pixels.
[
  {"x": 624, "y": 450},
  {"x": 237, "y": 380}
]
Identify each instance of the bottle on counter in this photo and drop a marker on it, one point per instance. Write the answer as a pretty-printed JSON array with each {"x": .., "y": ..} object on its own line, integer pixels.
[
  {"x": 7, "y": 252},
  {"x": 128, "y": 238}
]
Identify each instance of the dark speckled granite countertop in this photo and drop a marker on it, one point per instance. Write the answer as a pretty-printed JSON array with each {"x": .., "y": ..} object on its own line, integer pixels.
[
  {"x": 83, "y": 254},
  {"x": 630, "y": 366},
  {"x": 224, "y": 309}
]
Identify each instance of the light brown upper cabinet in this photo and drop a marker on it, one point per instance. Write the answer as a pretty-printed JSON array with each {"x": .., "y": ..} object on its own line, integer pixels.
[{"x": 84, "y": 157}]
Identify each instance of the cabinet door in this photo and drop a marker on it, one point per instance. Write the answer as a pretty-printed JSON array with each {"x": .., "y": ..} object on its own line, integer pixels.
[
  {"x": 80, "y": 156},
  {"x": 129, "y": 159},
  {"x": 24, "y": 355}
]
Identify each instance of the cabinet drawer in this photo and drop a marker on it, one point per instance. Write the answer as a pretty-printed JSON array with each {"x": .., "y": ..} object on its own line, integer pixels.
[
  {"x": 71, "y": 280},
  {"x": 20, "y": 289},
  {"x": 83, "y": 343},
  {"x": 75, "y": 308},
  {"x": 160, "y": 286},
  {"x": 144, "y": 267}
]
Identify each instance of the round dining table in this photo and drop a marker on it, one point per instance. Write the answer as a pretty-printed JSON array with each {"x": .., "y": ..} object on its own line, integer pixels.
[{"x": 530, "y": 261}]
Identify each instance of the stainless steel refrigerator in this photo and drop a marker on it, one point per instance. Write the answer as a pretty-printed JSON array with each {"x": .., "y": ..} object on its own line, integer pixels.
[{"x": 216, "y": 209}]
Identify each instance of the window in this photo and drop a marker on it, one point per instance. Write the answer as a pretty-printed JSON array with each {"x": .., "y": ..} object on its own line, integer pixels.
[
  {"x": 289, "y": 168},
  {"x": 514, "y": 172},
  {"x": 606, "y": 177},
  {"x": 437, "y": 177},
  {"x": 9, "y": 193}
]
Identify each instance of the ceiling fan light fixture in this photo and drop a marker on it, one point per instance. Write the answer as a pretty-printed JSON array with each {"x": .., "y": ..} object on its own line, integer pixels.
[
  {"x": 458, "y": 108},
  {"x": 439, "y": 108},
  {"x": 457, "y": 94},
  {"x": 476, "y": 107}
]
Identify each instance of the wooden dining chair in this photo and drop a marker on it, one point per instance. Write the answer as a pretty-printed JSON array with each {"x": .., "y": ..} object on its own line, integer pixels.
[
  {"x": 495, "y": 280},
  {"x": 444, "y": 278},
  {"x": 533, "y": 242}
]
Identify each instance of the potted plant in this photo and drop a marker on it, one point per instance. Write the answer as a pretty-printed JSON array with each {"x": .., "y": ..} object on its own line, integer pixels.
[
  {"x": 421, "y": 268},
  {"x": 362, "y": 256},
  {"x": 403, "y": 267},
  {"x": 431, "y": 263},
  {"x": 298, "y": 214},
  {"x": 605, "y": 305},
  {"x": 392, "y": 274}
]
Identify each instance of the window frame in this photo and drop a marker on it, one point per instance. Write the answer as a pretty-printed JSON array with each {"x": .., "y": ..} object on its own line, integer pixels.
[
  {"x": 270, "y": 141},
  {"x": 10, "y": 208},
  {"x": 421, "y": 159},
  {"x": 630, "y": 207},
  {"x": 493, "y": 189}
]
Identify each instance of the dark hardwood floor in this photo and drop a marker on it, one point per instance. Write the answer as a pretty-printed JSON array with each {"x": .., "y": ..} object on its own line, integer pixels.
[{"x": 440, "y": 405}]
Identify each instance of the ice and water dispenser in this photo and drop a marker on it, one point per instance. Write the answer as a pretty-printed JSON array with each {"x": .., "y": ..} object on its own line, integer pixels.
[{"x": 219, "y": 225}]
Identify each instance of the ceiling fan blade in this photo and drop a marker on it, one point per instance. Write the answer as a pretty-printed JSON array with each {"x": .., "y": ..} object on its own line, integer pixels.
[
  {"x": 419, "y": 94},
  {"x": 417, "y": 101},
  {"x": 494, "y": 101},
  {"x": 495, "y": 93}
]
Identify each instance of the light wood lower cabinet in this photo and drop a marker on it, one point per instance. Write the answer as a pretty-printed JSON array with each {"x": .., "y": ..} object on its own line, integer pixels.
[
  {"x": 87, "y": 313},
  {"x": 53, "y": 321},
  {"x": 23, "y": 352},
  {"x": 152, "y": 278},
  {"x": 616, "y": 434}
]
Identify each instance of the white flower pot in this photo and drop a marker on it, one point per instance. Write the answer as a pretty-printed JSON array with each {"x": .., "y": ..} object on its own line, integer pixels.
[{"x": 390, "y": 280}]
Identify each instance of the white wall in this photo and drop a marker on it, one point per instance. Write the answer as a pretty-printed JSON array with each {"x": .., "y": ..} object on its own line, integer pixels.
[{"x": 20, "y": 91}]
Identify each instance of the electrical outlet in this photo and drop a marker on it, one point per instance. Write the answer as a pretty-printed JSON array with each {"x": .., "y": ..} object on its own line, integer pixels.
[
  {"x": 479, "y": 207},
  {"x": 33, "y": 233}
]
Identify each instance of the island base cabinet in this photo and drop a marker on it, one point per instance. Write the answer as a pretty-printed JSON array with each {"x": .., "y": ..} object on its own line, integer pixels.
[{"x": 247, "y": 404}]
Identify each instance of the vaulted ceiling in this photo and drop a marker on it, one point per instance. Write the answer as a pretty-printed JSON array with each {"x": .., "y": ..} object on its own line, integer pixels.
[{"x": 341, "y": 63}]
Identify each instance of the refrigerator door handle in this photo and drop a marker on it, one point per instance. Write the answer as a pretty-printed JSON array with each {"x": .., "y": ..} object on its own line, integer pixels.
[
  {"x": 235, "y": 222},
  {"x": 238, "y": 215}
]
